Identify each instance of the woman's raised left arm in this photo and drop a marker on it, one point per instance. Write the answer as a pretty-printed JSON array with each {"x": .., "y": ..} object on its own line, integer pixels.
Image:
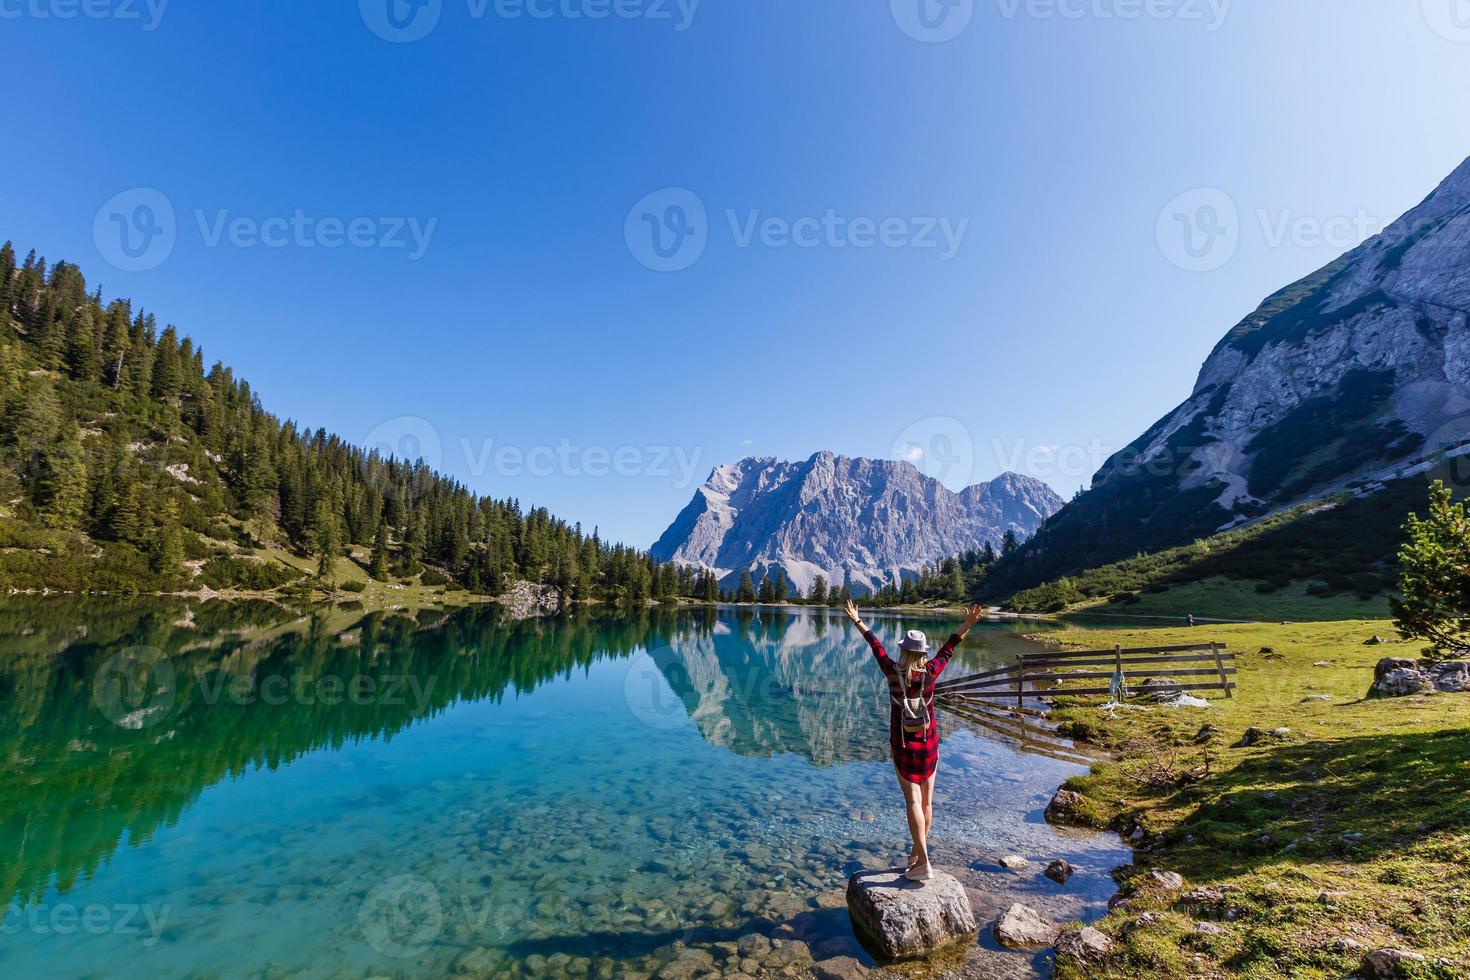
[{"x": 973, "y": 614}]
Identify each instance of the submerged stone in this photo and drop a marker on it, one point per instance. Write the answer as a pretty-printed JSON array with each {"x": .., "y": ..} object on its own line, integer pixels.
[{"x": 1022, "y": 926}]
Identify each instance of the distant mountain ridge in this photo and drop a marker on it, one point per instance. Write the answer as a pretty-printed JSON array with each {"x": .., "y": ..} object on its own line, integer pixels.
[
  {"x": 1356, "y": 375},
  {"x": 834, "y": 516}
]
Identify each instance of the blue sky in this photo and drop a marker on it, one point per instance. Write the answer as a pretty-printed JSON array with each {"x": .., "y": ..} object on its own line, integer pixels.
[{"x": 962, "y": 232}]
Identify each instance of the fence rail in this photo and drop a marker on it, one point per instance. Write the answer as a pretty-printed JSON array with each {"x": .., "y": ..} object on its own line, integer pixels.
[{"x": 1049, "y": 672}]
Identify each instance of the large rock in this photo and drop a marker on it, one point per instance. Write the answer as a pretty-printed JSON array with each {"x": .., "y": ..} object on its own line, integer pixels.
[
  {"x": 1023, "y": 926},
  {"x": 905, "y": 919},
  {"x": 526, "y": 600},
  {"x": 1389, "y": 963},
  {"x": 1396, "y": 677},
  {"x": 1068, "y": 808}
]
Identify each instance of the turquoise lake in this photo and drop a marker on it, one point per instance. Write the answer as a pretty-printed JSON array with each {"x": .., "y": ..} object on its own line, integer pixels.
[{"x": 237, "y": 790}]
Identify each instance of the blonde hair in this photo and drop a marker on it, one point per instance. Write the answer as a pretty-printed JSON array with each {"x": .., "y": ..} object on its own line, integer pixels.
[{"x": 912, "y": 662}]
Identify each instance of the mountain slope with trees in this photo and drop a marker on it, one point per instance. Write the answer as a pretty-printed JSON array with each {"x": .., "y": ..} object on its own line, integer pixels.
[{"x": 128, "y": 466}]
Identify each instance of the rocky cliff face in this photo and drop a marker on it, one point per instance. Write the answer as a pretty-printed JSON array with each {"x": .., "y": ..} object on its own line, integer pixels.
[
  {"x": 1356, "y": 375},
  {"x": 831, "y": 515}
]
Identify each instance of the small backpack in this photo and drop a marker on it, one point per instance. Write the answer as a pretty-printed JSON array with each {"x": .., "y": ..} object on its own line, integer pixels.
[{"x": 914, "y": 712}]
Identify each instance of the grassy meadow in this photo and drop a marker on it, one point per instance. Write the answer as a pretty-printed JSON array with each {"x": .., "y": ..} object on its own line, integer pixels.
[{"x": 1346, "y": 833}]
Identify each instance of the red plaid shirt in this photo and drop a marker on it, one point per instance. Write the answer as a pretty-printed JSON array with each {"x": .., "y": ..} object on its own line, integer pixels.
[{"x": 915, "y": 757}]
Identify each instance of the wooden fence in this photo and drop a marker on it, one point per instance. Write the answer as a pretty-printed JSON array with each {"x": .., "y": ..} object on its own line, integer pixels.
[{"x": 1197, "y": 667}]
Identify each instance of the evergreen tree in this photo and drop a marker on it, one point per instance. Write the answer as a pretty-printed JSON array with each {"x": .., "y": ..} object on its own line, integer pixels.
[
  {"x": 767, "y": 591},
  {"x": 166, "y": 547},
  {"x": 326, "y": 539},
  {"x": 125, "y": 518},
  {"x": 746, "y": 591},
  {"x": 1009, "y": 543},
  {"x": 378, "y": 566},
  {"x": 818, "y": 594},
  {"x": 1435, "y": 578},
  {"x": 65, "y": 484},
  {"x": 81, "y": 352},
  {"x": 782, "y": 589}
]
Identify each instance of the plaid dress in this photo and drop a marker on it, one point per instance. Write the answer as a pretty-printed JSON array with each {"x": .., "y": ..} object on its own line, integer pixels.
[{"x": 915, "y": 758}]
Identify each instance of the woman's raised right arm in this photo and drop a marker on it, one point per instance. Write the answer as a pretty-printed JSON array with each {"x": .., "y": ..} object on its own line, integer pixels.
[{"x": 879, "y": 653}]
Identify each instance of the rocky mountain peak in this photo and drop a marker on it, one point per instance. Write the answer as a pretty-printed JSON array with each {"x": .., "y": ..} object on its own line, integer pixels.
[{"x": 836, "y": 516}]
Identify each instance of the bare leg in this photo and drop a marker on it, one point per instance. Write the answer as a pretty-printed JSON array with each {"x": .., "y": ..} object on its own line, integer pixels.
[
  {"x": 913, "y": 798},
  {"x": 923, "y": 830},
  {"x": 927, "y": 794}
]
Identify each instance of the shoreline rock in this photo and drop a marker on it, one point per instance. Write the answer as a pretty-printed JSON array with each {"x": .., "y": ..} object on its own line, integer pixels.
[{"x": 1021, "y": 926}]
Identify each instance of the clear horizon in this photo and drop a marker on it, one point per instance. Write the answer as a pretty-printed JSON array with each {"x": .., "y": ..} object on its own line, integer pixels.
[{"x": 582, "y": 260}]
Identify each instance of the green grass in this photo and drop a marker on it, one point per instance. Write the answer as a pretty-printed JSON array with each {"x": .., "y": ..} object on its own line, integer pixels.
[
  {"x": 1219, "y": 597},
  {"x": 1267, "y": 822}
]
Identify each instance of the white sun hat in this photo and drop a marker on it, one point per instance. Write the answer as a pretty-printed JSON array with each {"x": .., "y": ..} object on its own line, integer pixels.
[{"x": 915, "y": 641}]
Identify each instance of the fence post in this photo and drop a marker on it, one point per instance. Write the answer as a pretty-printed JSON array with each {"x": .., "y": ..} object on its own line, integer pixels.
[
  {"x": 1122, "y": 677},
  {"x": 1020, "y": 680},
  {"x": 1220, "y": 666}
]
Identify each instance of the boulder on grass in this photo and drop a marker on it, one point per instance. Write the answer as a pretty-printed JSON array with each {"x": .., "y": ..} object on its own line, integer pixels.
[
  {"x": 1086, "y": 945},
  {"x": 1397, "y": 677},
  {"x": 906, "y": 919},
  {"x": 1388, "y": 963}
]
